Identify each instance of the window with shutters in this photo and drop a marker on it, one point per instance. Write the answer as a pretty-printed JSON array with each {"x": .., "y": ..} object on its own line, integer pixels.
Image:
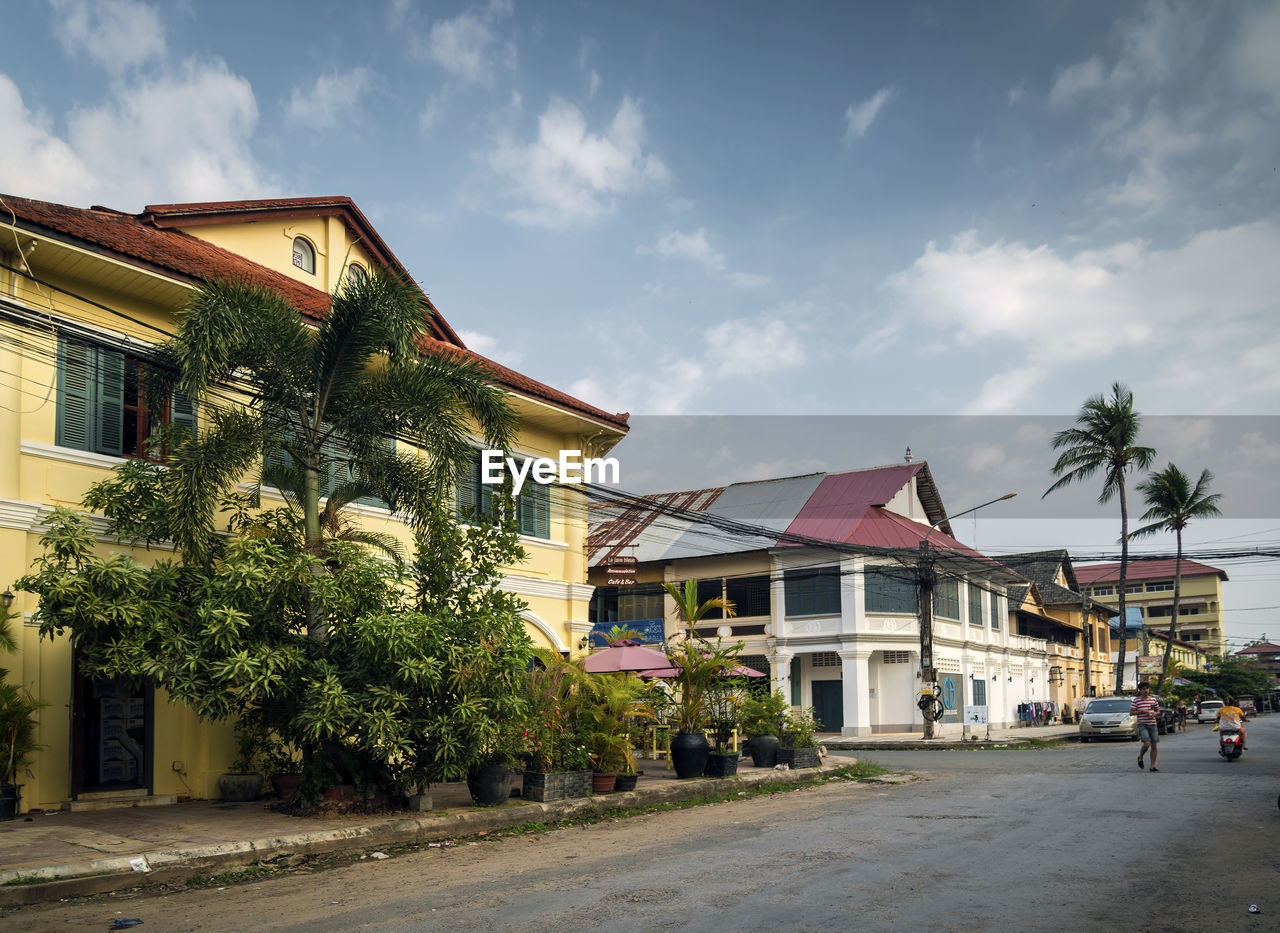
[
  {"x": 478, "y": 501},
  {"x": 339, "y": 467},
  {"x": 995, "y": 612},
  {"x": 812, "y": 591},
  {"x": 102, "y": 403},
  {"x": 890, "y": 589},
  {"x": 946, "y": 599},
  {"x": 975, "y": 604}
]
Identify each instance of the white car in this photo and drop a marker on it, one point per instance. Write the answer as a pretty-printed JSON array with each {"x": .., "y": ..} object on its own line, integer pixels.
[
  {"x": 1108, "y": 718},
  {"x": 1209, "y": 711}
]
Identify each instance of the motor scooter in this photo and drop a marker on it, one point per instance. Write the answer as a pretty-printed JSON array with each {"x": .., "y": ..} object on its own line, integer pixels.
[{"x": 1230, "y": 744}]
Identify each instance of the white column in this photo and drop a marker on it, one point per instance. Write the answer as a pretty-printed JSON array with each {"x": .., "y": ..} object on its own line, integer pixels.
[
  {"x": 855, "y": 676},
  {"x": 780, "y": 662}
]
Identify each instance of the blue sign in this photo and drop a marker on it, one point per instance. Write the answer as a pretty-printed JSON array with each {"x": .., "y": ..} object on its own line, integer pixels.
[
  {"x": 651, "y": 631},
  {"x": 948, "y": 693}
]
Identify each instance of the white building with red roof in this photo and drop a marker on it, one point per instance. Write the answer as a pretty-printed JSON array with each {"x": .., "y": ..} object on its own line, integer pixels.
[{"x": 822, "y": 571}]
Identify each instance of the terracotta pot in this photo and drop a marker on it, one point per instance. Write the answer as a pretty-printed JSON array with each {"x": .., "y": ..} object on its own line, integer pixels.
[
  {"x": 603, "y": 782},
  {"x": 286, "y": 785},
  {"x": 339, "y": 792}
]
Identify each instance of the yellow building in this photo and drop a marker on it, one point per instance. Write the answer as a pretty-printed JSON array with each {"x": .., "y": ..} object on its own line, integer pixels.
[
  {"x": 1149, "y": 589},
  {"x": 100, "y": 288},
  {"x": 1052, "y": 607}
]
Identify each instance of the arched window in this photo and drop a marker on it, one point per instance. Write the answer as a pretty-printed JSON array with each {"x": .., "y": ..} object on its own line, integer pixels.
[
  {"x": 356, "y": 273},
  {"x": 304, "y": 255}
]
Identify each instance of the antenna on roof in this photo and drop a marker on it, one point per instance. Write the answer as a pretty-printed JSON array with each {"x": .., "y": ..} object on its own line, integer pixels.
[{"x": 907, "y": 458}]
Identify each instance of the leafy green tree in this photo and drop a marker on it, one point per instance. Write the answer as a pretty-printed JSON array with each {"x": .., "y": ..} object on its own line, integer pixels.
[
  {"x": 328, "y": 394},
  {"x": 1172, "y": 503},
  {"x": 1232, "y": 677},
  {"x": 1105, "y": 439},
  {"x": 690, "y": 610}
]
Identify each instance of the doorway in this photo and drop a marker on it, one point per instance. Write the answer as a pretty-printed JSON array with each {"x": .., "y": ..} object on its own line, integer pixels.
[
  {"x": 111, "y": 735},
  {"x": 828, "y": 704}
]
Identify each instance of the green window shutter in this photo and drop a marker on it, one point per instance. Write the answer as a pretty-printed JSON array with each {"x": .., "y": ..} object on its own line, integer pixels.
[
  {"x": 182, "y": 411},
  {"x": 73, "y": 426},
  {"x": 535, "y": 510},
  {"x": 795, "y": 682},
  {"x": 109, "y": 415},
  {"x": 468, "y": 489}
]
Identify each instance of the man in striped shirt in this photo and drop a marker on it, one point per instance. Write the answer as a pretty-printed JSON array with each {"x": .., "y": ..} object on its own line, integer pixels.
[{"x": 1146, "y": 708}]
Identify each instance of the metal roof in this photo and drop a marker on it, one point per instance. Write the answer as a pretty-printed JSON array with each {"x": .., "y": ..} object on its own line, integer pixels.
[
  {"x": 772, "y": 504},
  {"x": 1140, "y": 569}
]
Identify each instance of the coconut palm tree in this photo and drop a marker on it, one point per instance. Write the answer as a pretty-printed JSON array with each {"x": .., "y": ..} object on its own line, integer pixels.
[
  {"x": 1171, "y": 505},
  {"x": 1105, "y": 439},
  {"x": 329, "y": 394}
]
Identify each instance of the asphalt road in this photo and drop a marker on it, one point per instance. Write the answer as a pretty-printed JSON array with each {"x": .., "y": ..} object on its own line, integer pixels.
[{"x": 1068, "y": 838}]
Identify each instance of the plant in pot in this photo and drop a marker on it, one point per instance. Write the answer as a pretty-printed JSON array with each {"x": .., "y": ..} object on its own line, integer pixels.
[
  {"x": 491, "y": 778},
  {"x": 283, "y": 762},
  {"x": 611, "y": 702},
  {"x": 18, "y": 722},
  {"x": 724, "y": 709},
  {"x": 799, "y": 747},
  {"x": 553, "y": 731},
  {"x": 762, "y": 717},
  {"x": 243, "y": 781}
]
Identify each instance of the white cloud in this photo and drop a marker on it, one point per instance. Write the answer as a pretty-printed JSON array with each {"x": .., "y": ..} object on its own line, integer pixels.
[
  {"x": 489, "y": 347},
  {"x": 858, "y": 119},
  {"x": 328, "y": 98},
  {"x": 1076, "y": 80},
  {"x": 1016, "y": 94},
  {"x": 739, "y": 348},
  {"x": 117, "y": 34},
  {"x": 468, "y": 46},
  {"x": 695, "y": 247},
  {"x": 570, "y": 176},
  {"x": 183, "y": 135},
  {"x": 1058, "y": 310},
  {"x": 37, "y": 163},
  {"x": 1005, "y": 392}
]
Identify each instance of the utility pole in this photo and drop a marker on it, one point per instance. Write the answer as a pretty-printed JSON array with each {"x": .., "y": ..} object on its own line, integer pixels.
[
  {"x": 1087, "y": 626},
  {"x": 925, "y": 580}
]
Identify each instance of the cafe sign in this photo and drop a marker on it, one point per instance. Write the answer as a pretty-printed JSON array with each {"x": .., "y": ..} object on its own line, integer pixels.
[{"x": 621, "y": 571}]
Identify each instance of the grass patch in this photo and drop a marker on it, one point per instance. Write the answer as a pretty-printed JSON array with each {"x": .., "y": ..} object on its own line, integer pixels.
[
  {"x": 251, "y": 872},
  {"x": 25, "y": 880}
]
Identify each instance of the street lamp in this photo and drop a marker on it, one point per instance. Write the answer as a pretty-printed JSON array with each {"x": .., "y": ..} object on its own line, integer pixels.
[{"x": 925, "y": 581}]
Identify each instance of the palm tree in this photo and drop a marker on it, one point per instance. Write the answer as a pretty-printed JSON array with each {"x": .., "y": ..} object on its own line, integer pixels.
[
  {"x": 688, "y": 607},
  {"x": 1105, "y": 438},
  {"x": 1171, "y": 505},
  {"x": 329, "y": 394},
  {"x": 335, "y": 517}
]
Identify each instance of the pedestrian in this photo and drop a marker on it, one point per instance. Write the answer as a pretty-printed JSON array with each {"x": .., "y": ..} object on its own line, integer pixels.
[
  {"x": 1146, "y": 708},
  {"x": 1182, "y": 715}
]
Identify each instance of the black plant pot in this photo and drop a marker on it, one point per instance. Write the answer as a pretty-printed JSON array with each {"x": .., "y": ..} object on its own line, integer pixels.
[
  {"x": 490, "y": 785},
  {"x": 689, "y": 752},
  {"x": 721, "y": 764},
  {"x": 626, "y": 782},
  {"x": 10, "y": 801},
  {"x": 764, "y": 751},
  {"x": 240, "y": 788}
]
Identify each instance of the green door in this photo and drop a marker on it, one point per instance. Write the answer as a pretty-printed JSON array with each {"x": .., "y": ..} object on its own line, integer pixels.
[{"x": 828, "y": 704}]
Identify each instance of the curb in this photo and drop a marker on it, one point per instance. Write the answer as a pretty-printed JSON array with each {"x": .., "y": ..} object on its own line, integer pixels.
[{"x": 169, "y": 866}]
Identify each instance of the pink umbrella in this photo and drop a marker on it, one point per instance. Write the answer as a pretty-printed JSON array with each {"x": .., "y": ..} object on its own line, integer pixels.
[
  {"x": 740, "y": 671},
  {"x": 623, "y": 658}
]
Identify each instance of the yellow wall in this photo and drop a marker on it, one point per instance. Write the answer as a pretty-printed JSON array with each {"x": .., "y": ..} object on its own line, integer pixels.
[
  {"x": 36, "y": 475},
  {"x": 1204, "y": 590}
]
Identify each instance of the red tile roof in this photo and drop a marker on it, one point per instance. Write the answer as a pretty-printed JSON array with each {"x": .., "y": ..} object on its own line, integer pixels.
[
  {"x": 140, "y": 241},
  {"x": 1264, "y": 647},
  {"x": 1143, "y": 570}
]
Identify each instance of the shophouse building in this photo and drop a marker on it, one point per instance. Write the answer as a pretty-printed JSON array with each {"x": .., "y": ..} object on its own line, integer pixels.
[{"x": 823, "y": 571}]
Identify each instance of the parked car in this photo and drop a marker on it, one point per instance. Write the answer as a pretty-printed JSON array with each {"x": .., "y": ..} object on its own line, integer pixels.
[
  {"x": 1248, "y": 705},
  {"x": 1208, "y": 711},
  {"x": 1108, "y": 718},
  {"x": 1167, "y": 721}
]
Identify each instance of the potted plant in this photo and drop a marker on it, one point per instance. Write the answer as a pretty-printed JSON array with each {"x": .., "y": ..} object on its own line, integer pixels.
[
  {"x": 611, "y": 702},
  {"x": 724, "y": 707},
  {"x": 762, "y": 722},
  {"x": 799, "y": 748},
  {"x": 552, "y": 736},
  {"x": 243, "y": 781},
  {"x": 491, "y": 778},
  {"x": 18, "y": 723},
  {"x": 284, "y": 764}
]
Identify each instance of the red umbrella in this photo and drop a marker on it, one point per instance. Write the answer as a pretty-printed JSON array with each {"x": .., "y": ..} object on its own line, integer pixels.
[{"x": 623, "y": 658}]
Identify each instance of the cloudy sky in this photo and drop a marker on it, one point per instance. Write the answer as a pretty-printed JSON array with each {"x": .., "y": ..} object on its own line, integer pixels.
[{"x": 735, "y": 208}]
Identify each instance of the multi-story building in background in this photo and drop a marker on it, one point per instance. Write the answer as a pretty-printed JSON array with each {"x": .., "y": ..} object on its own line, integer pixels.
[{"x": 1149, "y": 589}]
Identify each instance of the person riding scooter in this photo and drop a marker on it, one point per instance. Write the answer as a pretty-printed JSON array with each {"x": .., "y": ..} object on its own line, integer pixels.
[{"x": 1231, "y": 718}]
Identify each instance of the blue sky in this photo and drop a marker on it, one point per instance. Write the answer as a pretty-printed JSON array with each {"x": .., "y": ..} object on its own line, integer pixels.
[{"x": 735, "y": 208}]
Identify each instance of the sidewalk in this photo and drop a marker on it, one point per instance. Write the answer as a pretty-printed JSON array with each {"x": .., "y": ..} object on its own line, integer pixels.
[
  {"x": 900, "y": 741},
  {"x": 72, "y": 854}
]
